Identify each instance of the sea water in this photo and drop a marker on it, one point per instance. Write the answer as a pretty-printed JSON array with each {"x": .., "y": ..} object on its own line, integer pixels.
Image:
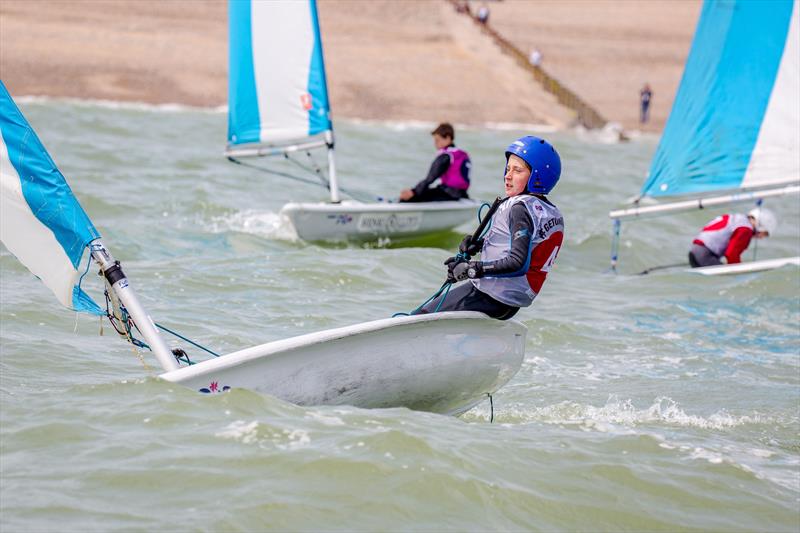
[{"x": 662, "y": 402}]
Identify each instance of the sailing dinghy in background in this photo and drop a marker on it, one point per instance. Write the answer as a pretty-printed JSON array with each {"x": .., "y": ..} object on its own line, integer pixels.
[
  {"x": 278, "y": 106},
  {"x": 444, "y": 363},
  {"x": 734, "y": 127}
]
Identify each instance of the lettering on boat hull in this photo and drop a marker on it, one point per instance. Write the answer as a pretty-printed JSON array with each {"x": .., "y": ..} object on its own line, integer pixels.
[{"x": 389, "y": 223}]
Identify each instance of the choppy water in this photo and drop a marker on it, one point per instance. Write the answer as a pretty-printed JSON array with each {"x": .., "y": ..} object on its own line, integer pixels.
[{"x": 661, "y": 402}]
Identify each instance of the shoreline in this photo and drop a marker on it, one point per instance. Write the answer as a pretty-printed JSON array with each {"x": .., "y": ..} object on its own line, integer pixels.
[
  {"x": 223, "y": 109},
  {"x": 416, "y": 60}
]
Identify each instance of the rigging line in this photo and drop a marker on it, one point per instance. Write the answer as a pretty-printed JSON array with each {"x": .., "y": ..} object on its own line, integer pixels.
[
  {"x": 348, "y": 192},
  {"x": 276, "y": 172},
  {"x": 314, "y": 163},
  {"x": 314, "y": 171},
  {"x": 480, "y": 219},
  {"x": 215, "y": 354},
  {"x": 662, "y": 267},
  {"x": 483, "y": 227},
  {"x": 88, "y": 264},
  {"x": 445, "y": 287}
]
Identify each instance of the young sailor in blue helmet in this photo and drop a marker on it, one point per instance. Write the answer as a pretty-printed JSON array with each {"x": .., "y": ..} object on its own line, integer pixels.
[{"x": 521, "y": 245}]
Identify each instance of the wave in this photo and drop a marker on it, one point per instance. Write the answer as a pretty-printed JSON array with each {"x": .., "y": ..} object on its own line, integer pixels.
[
  {"x": 263, "y": 224},
  {"x": 116, "y": 104}
]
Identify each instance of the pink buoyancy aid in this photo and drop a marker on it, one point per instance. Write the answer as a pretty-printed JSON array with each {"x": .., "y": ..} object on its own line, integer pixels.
[
  {"x": 453, "y": 177},
  {"x": 717, "y": 234}
]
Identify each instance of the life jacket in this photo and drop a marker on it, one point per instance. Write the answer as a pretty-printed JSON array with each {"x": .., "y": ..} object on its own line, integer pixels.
[
  {"x": 457, "y": 174},
  {"x": 548, "y": 234},
  {"x": 717, "y": 234}
]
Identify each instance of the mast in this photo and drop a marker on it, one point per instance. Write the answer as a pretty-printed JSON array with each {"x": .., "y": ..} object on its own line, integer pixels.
[
  {"x": 119, "y": 283},
  {"x": 332, "y": 183}
]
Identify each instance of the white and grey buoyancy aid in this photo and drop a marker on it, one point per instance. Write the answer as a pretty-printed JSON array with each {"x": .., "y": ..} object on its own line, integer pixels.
[
  {"x": 520, "y": 288},
  {"x": 717, "y": 234}
]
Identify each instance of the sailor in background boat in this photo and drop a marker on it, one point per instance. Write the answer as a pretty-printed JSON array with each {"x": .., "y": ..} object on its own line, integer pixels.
[
  {"x": 521, "y": 245},
  {"x": 451, "y": 166},
  {"x": 729, "y": 236}
]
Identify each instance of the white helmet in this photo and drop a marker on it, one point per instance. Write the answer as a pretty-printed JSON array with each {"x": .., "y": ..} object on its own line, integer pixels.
[{"x": 765, "y": 220}]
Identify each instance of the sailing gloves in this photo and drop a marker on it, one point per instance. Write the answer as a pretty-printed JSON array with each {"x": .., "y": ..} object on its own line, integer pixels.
[
  {"x": 459, "y": 269},
  {"x": 470, "y": 247}
]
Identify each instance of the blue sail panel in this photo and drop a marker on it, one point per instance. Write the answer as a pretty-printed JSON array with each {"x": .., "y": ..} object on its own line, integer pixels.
[
  {"x": 319, "y": 113},
  {"x": 41, "y": 221},
  {"x": 727, "y": 84},
  {"x": 244, "y": 124},
  {"x": 277, "y": 87}
]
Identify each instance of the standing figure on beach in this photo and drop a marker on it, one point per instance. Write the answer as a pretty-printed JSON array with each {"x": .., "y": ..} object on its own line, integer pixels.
[
  {"x": 521, "y": 245},
  {"x": 729, "y": 236},
  {"x": 483, "y": 14},
  {"x": 645, "y": 95},
  {"x": 451, "y": 166},
  {"x": 535, "y": 58}
]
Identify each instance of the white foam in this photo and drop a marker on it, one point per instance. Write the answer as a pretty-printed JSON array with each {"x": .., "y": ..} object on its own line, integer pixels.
[
  {"x": 113, "y": 104},
  {"x": 324, "y": 419},
  {"x": 298, "y": 438},
  {"x": 264, "y": 224},
  {"x": 623, "y": 412},
  {"x": 245, "y": 432},
  {"x": 711, "y": 457}
]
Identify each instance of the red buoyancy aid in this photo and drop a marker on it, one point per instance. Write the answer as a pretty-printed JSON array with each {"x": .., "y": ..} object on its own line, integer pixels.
[
  {"x": 453, "y": 177},
  {"x": 717, "y": 234}
]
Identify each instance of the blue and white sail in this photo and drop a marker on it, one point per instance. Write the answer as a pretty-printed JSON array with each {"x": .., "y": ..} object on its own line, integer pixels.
[
  {"x": 277, "y": 91},
  {"x": 735, "y": 122},
  {"x": 41, "y": 221}
]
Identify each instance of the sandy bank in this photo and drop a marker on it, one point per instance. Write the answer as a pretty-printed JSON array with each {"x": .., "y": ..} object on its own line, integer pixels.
[{"x": 387, "y": 60}]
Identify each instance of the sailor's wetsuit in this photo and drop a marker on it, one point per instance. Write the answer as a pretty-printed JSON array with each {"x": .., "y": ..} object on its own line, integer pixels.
[
  {"x": 452, "y": 167},
  {"x": 518, "y": 252}
]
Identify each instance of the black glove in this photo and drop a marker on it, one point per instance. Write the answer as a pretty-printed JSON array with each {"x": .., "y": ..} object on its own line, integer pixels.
[
  {"x": 450, "y": 263},
  {"x": 459, "y": 271},
  {"x": 470, "y": 247}
]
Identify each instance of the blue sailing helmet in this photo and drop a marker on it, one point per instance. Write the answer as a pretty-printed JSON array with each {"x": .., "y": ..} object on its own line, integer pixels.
[{"x": 543, "y": 160}]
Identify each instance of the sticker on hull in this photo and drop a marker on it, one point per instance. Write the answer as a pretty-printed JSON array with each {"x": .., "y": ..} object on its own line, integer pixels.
[
  {"x": 394, "y": 223},
  {"x": 214, "y": 388}
]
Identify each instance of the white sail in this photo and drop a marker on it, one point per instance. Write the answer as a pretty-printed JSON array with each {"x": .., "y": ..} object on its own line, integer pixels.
[
  {"x": 277, "y": 92},
  {"x": 41, "y": 221},
  {"x": 776, "y": 156},
  {"x": 735, "y": 122}
]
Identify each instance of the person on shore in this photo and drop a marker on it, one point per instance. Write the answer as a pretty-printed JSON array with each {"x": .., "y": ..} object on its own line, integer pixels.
[
  {"x": 522, "y": 242},
  {"x": 451, "y": 166},
  {"x": 645, "y": 95},
  {"x": 535, "y": 58},
  {"x": 483, "y": 14},
  {"x": 729, "y": 235}
]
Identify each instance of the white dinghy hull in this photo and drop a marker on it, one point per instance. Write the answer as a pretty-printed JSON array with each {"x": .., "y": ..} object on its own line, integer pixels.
[
  {"x": 746, "y": 268},
  {"x": 361, "y": 221},
  {"x": 443, "y": 363}
]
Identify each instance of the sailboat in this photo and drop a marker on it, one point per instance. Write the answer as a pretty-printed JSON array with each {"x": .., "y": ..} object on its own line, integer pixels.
[
  {"x": 444, "y": 363},
  {"x": 278, "y": 106},
  {"x": 733, "y": 135}
]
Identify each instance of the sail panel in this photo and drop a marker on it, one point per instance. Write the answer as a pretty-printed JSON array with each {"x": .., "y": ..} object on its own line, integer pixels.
[
  {"x": 41, "y": 221},
  {"x": 723, "y": 98},
  {"x": 319, "y": 113},
  {"x": 277, "y": 86},
  {"x": 776, "y": 156},
  {"x": 244, "y": 126}
]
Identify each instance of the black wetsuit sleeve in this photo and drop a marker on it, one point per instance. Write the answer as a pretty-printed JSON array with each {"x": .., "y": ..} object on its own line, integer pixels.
[
  {"x": 516, "y": 262},
  {"x": 438, "y": 168}
]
